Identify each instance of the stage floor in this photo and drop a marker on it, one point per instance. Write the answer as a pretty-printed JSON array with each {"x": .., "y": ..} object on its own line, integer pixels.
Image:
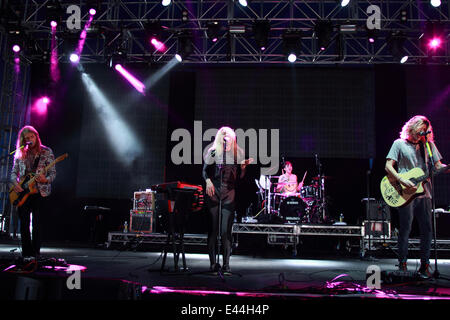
[{"x": 268, "y": 279}]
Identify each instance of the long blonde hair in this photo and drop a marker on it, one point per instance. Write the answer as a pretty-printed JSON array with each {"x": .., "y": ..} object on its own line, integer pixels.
[
  {"x": 411, "y": 127},
  {"x": 217, "y": 145},
  {"x": 21, "y": 153}
]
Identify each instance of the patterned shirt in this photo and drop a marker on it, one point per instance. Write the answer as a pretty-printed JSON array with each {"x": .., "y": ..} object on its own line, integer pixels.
[{"x": 22, "y": 167}]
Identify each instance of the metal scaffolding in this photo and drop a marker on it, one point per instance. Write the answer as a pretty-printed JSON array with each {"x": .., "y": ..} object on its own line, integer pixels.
[
  {"x": 13, "y": 108},
  {"x": 125, "y": 25}
]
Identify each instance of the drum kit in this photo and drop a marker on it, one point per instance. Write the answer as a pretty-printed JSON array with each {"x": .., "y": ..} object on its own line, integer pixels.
[{"x": 305, "y": 206}]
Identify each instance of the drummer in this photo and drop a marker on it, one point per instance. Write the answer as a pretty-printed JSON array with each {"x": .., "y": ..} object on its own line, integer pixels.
[{"x": 287, "y": 182}]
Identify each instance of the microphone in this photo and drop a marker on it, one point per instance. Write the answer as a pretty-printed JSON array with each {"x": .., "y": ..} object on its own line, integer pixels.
[{"x": 423, "y": 133}]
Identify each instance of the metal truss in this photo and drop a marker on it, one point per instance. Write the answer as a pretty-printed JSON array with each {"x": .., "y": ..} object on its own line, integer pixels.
[
  {"x": 413, "y": 244},
  {"x": 120, "y": 24},
  {"x": 13, "y": 101},
  {"x": 152, "y": 238}
]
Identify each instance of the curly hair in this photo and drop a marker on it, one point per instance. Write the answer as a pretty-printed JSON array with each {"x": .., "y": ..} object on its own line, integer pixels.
[{"x": 411, "y": 127}]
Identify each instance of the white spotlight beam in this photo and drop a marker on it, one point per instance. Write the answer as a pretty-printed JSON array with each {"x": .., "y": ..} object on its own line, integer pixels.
[{"x": 122, "y": 139}]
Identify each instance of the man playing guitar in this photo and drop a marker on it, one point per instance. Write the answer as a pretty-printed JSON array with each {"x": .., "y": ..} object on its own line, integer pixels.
[
  {"x": 32, "y": 158},
  {"x": 406, "y": 153}
]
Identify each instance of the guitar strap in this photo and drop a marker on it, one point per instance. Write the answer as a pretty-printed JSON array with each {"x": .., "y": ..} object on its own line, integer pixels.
[
  {"x": 35, "y": 165},
  {"x": 424, "y": 157}
]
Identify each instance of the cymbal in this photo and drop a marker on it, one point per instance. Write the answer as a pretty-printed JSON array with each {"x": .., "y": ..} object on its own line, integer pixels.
[{"x": 325, "y": 177}]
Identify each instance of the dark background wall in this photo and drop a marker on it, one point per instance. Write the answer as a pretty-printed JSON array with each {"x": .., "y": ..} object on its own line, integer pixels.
[{"x": 348, "y": 116}]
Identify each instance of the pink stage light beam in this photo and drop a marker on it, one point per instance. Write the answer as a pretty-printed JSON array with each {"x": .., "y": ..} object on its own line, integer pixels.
[
  {"x": 82, "y": 39},
  {"x": 138, "y": 85},
  {"x": 40, "y": 106},
  {"x": 158, "y": 45},
  {"x": 54, "y": 70}
]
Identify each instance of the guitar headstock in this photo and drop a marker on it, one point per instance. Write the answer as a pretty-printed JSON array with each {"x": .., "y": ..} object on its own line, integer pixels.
[{"x": 61, "y": 157}]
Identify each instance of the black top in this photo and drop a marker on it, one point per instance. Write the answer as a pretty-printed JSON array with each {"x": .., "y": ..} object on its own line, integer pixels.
[{"x": 214, "y": 169}]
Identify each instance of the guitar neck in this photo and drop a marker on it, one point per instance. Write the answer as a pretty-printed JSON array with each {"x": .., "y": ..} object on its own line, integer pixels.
[
  {"x": 51, "y": 164},
  {"x": 425, "y": 176}
]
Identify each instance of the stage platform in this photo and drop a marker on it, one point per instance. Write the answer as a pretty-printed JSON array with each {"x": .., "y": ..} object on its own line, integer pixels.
[
  {"x": 285, "y": 235},
  {"x": 273, "y": 279}
]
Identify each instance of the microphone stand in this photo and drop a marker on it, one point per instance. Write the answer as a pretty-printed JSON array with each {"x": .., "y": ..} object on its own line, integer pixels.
[
  {"x": 219, "y": 233},
  {"x": 433, "y": 204}
]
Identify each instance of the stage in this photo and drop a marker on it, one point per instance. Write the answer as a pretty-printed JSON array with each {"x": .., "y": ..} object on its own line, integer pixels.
[{"x": 270, "y": 276}]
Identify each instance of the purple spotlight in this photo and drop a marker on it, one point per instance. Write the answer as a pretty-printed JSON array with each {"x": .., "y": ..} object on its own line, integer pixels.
[
  {"x": 74, "y": 58},
  {"x": 435, "y": 43},
  {"x": 371, "y": 40},
  {"x": 53, "y": 24},
  {"x": 139, "y": 86},
  {"x": 92, "y": 11},
  {"x": 41, "y": 104},
  {"x": 16, "y": 48},
  {"x": 158, "y": 45}
]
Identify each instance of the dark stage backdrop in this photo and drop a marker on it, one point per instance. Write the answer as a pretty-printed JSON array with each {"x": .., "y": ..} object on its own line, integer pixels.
[
  {"x": 324, "y": 111},
  {"x": 428, "y": 93},
  {"x": 123, "y": 135},
  {"x": 345, "y": 115}
]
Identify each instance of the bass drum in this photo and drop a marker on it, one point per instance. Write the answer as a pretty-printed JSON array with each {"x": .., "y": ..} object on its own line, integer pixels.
[{"x": 293, "y": 209}]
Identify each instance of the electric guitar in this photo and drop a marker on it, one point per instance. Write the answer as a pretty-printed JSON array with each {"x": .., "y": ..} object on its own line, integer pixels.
[
  {"x": 28, "y": 184},
  {"x": 397, "y": 195}
]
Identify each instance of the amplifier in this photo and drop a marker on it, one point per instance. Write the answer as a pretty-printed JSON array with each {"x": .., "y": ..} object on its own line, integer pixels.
[
  {"x": 376, "y": 229},
  {"x": 144, "y": 200},
  {"x": 141, "y": 221},
  {"x": 378, "y": 210}
]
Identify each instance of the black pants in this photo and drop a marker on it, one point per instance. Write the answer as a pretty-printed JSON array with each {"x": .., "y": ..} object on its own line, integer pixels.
[
  {"x": 421, "y": 209},
  {"x": 31, "y": 243},
  {"x": 226, "y": 224}
]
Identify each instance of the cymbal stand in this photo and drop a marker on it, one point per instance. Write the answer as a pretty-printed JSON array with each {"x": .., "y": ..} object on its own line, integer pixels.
[{"x": 321, "y": 181}]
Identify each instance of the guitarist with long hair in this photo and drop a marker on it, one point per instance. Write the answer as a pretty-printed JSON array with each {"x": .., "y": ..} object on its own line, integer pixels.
[
  {"x": 406, "y": 153},
  {"x": 32, "y": 158}
]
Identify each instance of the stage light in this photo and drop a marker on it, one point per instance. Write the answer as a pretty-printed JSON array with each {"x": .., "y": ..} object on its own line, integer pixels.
[
  {"x": 165, "y": 3},
  {"x": 119, "y": 57},
  {"x": 323, "y": 30},
  {"x": 292, "y": 57},
  {"x": 435, "y": 3},
  {"x": 371, "y": 35},
  {"x": 41, "y": 105},
  {"x": 185, "y": 47},
  {"x": 158, "y": 45},
  {"x": 92, "y": 11},
  {"x": 435, "y": 43},
  {"x": 344, "y": 3},
  {"x": 122, "y": 139},
  {"x": 292, "y": 44},
  {"x": 16, "y": 48},
  {"x": 212, "y": 30},
  {"x": 396, "y": 45},
  {"x": 261, "y": 28},
  {"x": 54, "y": 13},
  {"x": 433, "y": 37},
  {"x": 138, "y": 85},
  {"x": 74, "y": 58},
  {"x": 243, "y": 3}
]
